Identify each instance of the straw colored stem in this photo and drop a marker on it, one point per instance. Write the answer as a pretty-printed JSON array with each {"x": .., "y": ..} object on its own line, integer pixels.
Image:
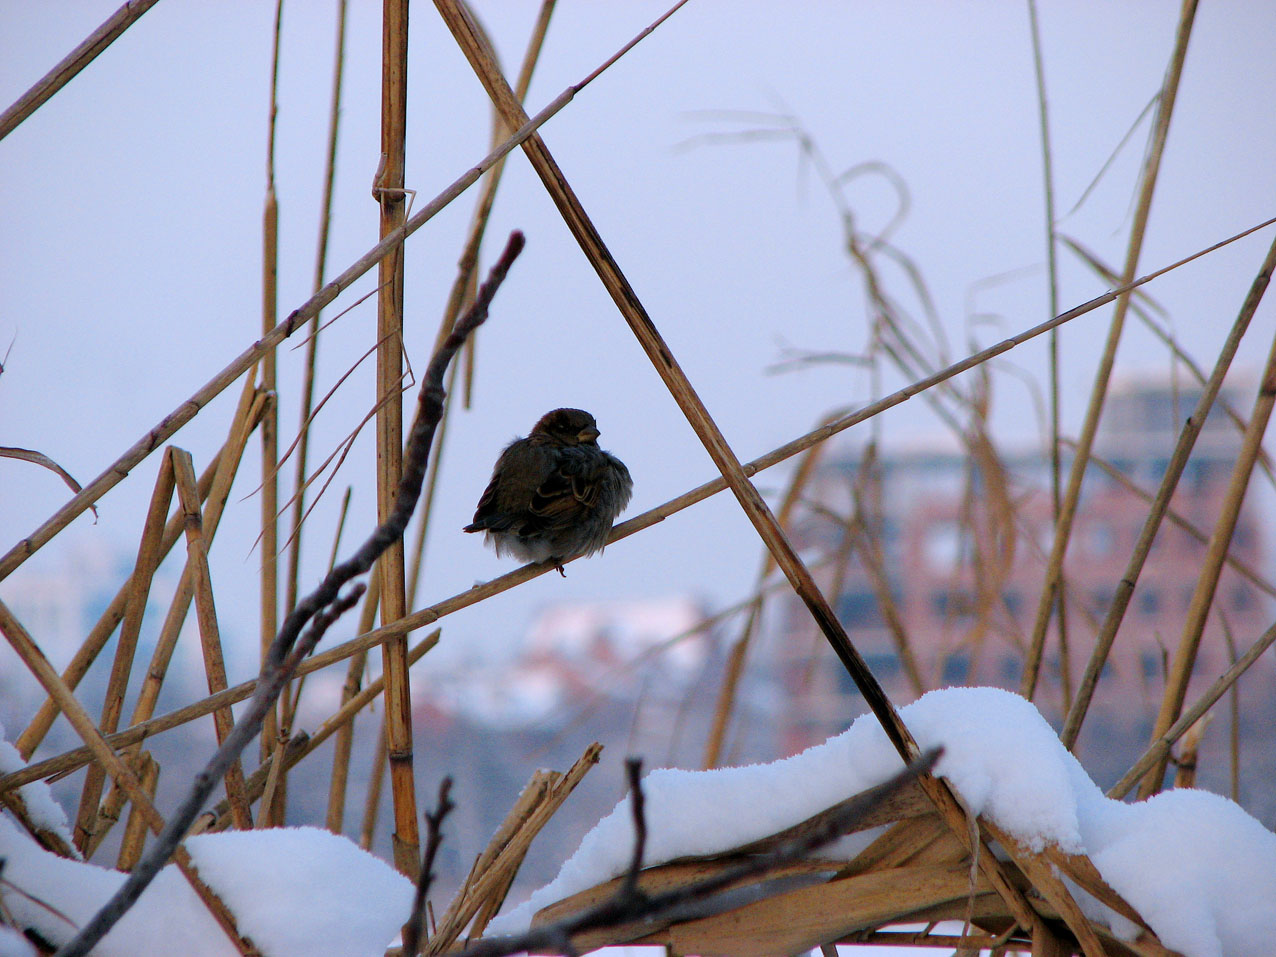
[
  {"x": 501, "y": 864},
  {"x": 138, "y": 588},
  {"x": 1160, "y": 505},
  {"x": 1158, "y": 750},
  {"x": 344, "y": 744},
  {"x": 209, "y": 630},
  {"x": 39, "y": 666},
  {"x": 87, "y": 653},
  {"x": 372, "y": 799},
  {"x": 118, "y": 470},
  {"x": 671, "y": 373},
  {"x": 1212, "y": 566},
  {"x": 148, "y": 770},
  {"x": 70, "y": 65},
  {"x": 394, "y": 653},
  {"x": 1063, "y": 524},
  {"x": 312, "y": 342}
]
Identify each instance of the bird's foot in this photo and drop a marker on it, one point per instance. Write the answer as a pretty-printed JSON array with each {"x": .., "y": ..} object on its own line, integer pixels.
[{"x": 560, "y": 570}]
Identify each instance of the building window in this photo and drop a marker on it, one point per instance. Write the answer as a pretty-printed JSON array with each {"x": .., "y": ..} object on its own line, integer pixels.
[
  {"x": 1149, "y": 601},
  {"x": 1100, "y": 539},
  {"x": 1152, "y": 662},
  {"x": 883, "y": 665},
  {"x": 859, "y": 609},
  {"x": 1242, "y": 598},
  {"x": 942, "y": 546},
  {"x": 956, "y": 666}
]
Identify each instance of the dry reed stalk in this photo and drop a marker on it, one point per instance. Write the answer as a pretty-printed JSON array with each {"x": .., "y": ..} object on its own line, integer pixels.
[
  {"x": 312, "y": 341},
  {"x": 1176, "y": 351},
  {"x": 75, "y": 61},
  {"x": 102, "y": 630},
  {"x": 50, "y": 840},
  {"x": 501, "y": 866},
  {"x": 755, "y": 507},
  {"x": 533, "y": 794},
  {"x": 434, "y": 613},
  {"x": 118, "y": 470},
  {"x": 302, "y": 745},
  {"x": 138, "y": 731},
  {"x": 209, "y": 630},
  {"x": 1240, "y": 566},
  {"x": 148, "y": 770},
  {"x": 1189, "y": 754},
  {"x": 218, "y": 817},
  {"x": 120, "y": 772},
  {"x": 372, "y": 798},
  {"x": 344, "y": 745},
  {"x": 1052, "y": 274},
  {"x": 137, "y": 588},
  {"x": 250, "y": 408},
  {"x": 1160, "y": 747},
  {"x": 389, "y": 192},
  {"x": 739, "y": 648},
  {"x": 667, "y": 367},
  {"x": 1050, "y": 593},
  {"x": 1212, "y": 566},
  {"x": 1160, "y": 505},
  {"x": 1234, "y": 726}
]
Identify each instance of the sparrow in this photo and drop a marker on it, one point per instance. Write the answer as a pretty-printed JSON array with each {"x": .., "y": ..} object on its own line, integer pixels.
[{"x": 554, "y": 494}]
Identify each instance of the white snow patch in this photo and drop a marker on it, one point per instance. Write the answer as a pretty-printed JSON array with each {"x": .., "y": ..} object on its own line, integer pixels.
[
  {"x": 41, "y": 808},
  {"x": 297, "y": 892},
  {"x": 1196, "y": 866}
]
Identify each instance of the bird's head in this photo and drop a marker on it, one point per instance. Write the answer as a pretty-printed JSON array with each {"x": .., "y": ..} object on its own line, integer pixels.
[{"x": 568, "y": 427}]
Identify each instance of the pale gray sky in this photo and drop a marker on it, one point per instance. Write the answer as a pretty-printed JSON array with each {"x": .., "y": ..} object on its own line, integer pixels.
[{"x": 131, "y": 208}]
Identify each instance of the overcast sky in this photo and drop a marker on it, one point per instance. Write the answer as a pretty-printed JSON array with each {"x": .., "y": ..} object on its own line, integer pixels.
[{"x": 130, "y": 241}]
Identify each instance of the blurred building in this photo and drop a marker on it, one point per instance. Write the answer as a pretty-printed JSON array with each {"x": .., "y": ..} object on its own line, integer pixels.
[{"x": 942, "y": 559}]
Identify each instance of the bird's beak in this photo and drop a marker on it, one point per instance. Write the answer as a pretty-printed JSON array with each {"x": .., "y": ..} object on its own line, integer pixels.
[{"x": 587, "y": 435}]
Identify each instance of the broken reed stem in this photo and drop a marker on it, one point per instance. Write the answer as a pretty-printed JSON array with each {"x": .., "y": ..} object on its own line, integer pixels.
[
  {"x": 102, "y": 630},
  {"x": 312, "y": 341},
  {"x": 70, "y": 65},
  {"x": 1160, "y": 505},
  {"x": 1063, "y": 526},
  {"x": 506, "y": 860},
  {"x": 433, "y": 613},
  {"x": 388, "y": 191},
  {"x": 1160, "y": 747},
  {"x": 1211, "y": 567},
  {"x": 39, "y": 666},
  {"x": 209, "y": 630},
  {"x": 137, "y": 589}
]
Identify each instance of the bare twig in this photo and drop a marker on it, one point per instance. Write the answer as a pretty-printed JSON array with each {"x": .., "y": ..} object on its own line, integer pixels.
[
  {"x": 414, "y": 929},
  {"x": 630, "y": 903},
  {"x": 317, "y": 610}
]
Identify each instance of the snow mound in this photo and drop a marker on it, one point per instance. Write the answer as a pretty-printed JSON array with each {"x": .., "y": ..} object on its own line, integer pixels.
[
  {"x": 1196, "y": 866},
  {"x": 297, "y": 892}
]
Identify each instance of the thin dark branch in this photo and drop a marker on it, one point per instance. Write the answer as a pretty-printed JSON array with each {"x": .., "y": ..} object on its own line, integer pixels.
[
  {"x": 637, "y": 804},
  {"x": 319, "y": 609},
  {"x": 697, "y": 899},
  {"x": 415, "y": 926}
]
